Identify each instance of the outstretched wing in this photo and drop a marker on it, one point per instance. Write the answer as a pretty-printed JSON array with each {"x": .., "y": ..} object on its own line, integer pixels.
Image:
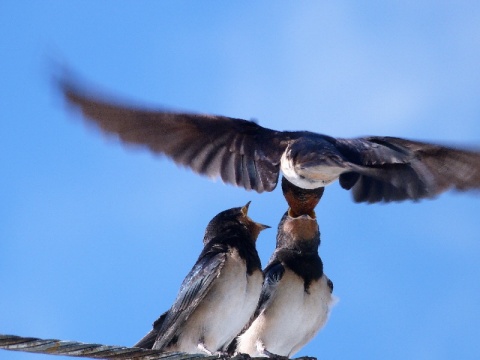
[
  {"x": 194, "y": 288},
  {"x": 394, "y": 169},
  {"x": 241, "y": 152},
  {"x": 247, "y": 155}
]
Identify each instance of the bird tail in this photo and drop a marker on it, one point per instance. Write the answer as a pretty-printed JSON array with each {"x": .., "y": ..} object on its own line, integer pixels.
[{"x": 148, "y": 340}]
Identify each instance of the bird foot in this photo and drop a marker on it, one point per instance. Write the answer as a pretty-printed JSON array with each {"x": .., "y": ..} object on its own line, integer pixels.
[
  {"x": 241, "y": 356},
  {"x": 226, "y": 355},
  {"x": 264, "y": 352},
  {"x": 274, "y": 356},
  {"x": 202, "y": 347}
]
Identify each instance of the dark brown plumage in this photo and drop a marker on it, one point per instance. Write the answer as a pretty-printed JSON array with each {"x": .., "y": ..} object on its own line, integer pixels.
[{"x": 245, "y": 154}]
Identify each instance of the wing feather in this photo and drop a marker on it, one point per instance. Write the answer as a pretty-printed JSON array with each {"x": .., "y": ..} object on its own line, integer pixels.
[
  {"x": 246, "y": 154},
  {"x": 241, "y": 152},
  {"x": 194, "y": 288},
  {"x": 394, "y": 169}
]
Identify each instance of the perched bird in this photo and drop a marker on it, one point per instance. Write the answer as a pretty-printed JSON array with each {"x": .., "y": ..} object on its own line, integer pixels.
[
  {"x": 220, "y": 293},
  {"x": 243, "y": 153},
  {"x": 296, "y": 298}
]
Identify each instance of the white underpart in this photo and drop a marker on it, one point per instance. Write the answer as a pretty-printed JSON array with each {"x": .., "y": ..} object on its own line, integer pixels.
[
  {"x": 311, "y": 177},
  {"x": 224, "y": 311},
  {"x": 291, "y": 318}
]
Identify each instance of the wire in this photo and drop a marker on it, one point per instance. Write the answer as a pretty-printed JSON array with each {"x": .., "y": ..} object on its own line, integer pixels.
[
  {"x": 98, "y": 351},
  {"x": 93, "y": 351}
]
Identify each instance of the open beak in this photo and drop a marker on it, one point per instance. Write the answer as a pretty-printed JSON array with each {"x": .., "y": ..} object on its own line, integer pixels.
[
  {"x": 259, "y": 226},
  {"x": 245, "y": 209}
]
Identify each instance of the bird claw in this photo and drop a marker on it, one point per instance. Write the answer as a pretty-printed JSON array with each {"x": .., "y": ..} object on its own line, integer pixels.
[
  {"x": 274, "y": 356},
  {"x": 225, "y": 355},
  {"x": 201, "y": 347},
  {"x": 240, "y": 356}
]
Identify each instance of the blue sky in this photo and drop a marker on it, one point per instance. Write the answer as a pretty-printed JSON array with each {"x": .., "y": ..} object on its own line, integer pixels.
[{"x": 96, "y": 238}]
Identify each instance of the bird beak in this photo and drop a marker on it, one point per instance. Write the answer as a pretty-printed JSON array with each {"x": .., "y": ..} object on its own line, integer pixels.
[
  {"x": 262, "y": 226},
  {"x": 259, "y": 226},
  {"x": 310, "y": 215},
  {"x": 245, "y": 209}
]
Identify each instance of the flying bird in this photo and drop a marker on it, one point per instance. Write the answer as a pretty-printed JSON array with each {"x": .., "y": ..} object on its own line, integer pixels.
[
  {"x": 296, "y": 297},
  {"x": 245, "y": 154},
  {"x": 220, "y": 293}
]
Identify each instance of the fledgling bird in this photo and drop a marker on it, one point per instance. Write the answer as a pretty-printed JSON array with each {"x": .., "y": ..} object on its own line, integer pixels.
[
  {"x": 220, "y": 293},
  {"x": 243, "y": 153},
  {"x": 296, "y": 298}
]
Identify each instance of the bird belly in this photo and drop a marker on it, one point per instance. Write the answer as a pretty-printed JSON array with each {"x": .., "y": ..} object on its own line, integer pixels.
[
  {"x": 224, "y": 311},
  {"x": 310, "y": 177},
  {"x": 291, "y": 318}
]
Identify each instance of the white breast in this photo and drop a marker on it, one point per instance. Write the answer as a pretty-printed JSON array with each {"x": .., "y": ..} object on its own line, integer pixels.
[
  {"x": 224, "y": 311},
  {"x": 291, "y": 319},
  {"x": 309, "y": 177}
]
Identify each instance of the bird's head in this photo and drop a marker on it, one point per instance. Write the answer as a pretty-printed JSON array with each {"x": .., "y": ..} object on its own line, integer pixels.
[
  {"x": 233, "y": 220},
  {"x": 298, "y": 232},
  {"x": 301, "y": 201}
]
